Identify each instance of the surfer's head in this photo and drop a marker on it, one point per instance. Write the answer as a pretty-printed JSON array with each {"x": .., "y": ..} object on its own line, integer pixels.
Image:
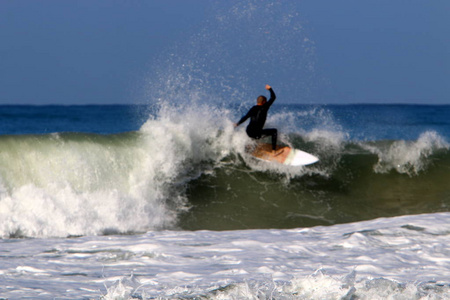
[{"x": 261, "y": 100}]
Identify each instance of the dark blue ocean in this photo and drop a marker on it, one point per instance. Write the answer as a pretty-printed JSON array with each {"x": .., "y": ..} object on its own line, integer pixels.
[
  {"x": 359, "y": 121},
  {"x": 102, "y": 119}
]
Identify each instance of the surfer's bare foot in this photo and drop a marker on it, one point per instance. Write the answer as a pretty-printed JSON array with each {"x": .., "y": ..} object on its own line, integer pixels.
[{"x": 277, "y": 152}]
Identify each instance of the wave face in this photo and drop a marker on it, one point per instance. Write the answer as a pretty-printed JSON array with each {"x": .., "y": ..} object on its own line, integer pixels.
[
  {"x": 186, "y": 168},
  {"x": 64, "y": 184},
  {"x": 77, "y": 184},
  {"x": 352, "y": 182}
]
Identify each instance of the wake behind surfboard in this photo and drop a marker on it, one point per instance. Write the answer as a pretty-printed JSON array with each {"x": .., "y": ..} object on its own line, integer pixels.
[{"x": 283, "y": 155}]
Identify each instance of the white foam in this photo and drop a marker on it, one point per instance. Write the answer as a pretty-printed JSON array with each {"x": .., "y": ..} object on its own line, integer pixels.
[
  {"x": 407, "y": 157},
  {"x": 384, "y": 258}
]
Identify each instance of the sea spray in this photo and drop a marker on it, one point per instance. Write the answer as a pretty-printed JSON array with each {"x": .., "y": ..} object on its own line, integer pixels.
[
  {"x": 241, "y": 47},
  {"x": 313, "y": 129}
]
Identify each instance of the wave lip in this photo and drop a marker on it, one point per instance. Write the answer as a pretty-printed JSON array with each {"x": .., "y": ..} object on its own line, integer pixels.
[
  {"x": 78, "y": 184},
  {"x": 408, "y": 157}
]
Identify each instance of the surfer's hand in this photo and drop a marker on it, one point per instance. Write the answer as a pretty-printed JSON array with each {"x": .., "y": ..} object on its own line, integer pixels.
[
  {"x": 268, "y": 87},
  {"x": 235, "y": 125}
]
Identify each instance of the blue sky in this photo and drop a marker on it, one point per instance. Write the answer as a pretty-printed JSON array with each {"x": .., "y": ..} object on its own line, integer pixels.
[{"x": 350, "y": 51}]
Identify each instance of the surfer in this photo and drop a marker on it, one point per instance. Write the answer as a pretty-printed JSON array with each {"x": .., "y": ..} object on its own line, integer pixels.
[{"x": 258, "y": 115}]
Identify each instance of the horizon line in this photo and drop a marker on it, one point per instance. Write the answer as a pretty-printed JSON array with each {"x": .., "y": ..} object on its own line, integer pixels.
[{"x": 232, "y": 103}]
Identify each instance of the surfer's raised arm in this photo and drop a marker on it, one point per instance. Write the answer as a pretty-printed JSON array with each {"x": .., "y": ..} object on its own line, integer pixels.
[{"x": 272, "y": 95}]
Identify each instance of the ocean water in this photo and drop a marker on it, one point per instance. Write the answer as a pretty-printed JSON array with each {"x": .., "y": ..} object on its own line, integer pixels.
[{"x": 162, "y": 201}]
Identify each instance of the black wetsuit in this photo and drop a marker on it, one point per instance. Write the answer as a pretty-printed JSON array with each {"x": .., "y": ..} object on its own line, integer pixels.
[{"x": 258, "y": 115}]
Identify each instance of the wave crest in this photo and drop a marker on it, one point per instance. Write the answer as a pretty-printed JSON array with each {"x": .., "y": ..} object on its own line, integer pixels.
[{"x": 407, "y": 157}]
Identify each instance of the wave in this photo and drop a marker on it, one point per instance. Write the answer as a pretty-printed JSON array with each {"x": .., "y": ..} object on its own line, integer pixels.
[
  {"x": 187, "y": 168},
  {"x": 80, "y": 184}
]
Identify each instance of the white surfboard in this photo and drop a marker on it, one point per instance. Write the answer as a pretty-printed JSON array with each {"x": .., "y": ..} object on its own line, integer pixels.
[{"x": 283, "y": 155}]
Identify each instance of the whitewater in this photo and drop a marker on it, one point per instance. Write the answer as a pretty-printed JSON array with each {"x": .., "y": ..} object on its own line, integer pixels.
[
  {"x": 161, "y": 200},
  {"x": 398, "y": 258}
]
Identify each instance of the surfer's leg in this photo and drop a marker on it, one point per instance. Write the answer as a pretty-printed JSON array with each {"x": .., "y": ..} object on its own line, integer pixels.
[
  {"x": 271, "y": 132},
  {"x": 254, "y": 134}
]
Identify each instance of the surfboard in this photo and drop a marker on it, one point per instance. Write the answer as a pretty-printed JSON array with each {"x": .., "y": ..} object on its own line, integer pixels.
[{"x": 283, "y": 155}]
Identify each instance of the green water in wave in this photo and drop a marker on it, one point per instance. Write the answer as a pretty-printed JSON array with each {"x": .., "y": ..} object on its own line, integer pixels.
[{"x": 236, "y": 197}]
